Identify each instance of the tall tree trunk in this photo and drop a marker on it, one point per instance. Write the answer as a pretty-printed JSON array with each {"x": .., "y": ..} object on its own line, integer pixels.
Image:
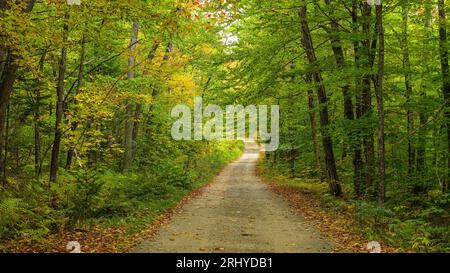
[
  {"x": 421, "y": 145},
  {"x": 349, "y": 114},
  {"x": 128, "y": 139},
  {"x": 338, "y": 52},
  {"x": 37, "y": 137},
  {"x": 54, "y": 164},
  {"x": 367, "y": 58},
  {"x": 443, "y": 46},
  {"x": 37, "y": 117},
  {"x": 368, "y": 141},
  {"x": 380, "y": 104},
  {"x": 6, "y": 87},
  {"x": 7, "y": 79},
  {"x": 408, "y": 87},
  {"x": 313, "y": 124},
  {"x": 333, "y": 180},
  {"x": 358, "y": 164},
  {"x": 291, "y": 156},
  {"x": 74, "y": 124}
]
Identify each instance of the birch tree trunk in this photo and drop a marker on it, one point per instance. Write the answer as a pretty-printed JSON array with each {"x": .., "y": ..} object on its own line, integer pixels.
[{"x": 333, "y": 180}]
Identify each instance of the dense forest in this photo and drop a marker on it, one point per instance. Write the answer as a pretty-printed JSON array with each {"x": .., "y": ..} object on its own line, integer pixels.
[{"x": 87, "y": 88}]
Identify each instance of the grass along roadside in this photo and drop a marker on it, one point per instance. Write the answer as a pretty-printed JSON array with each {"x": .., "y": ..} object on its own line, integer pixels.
[{"x": 126, "y": 209}]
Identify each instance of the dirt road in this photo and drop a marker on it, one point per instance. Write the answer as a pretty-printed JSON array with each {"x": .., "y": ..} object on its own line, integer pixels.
[{"x": 236, "y": 213}]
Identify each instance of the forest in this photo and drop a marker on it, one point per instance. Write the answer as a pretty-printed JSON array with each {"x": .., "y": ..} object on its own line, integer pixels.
[{"x": 87, "y": 89}]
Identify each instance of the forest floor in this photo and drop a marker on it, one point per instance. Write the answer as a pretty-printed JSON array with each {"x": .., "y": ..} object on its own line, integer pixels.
[{"x": 237, "y": 212}]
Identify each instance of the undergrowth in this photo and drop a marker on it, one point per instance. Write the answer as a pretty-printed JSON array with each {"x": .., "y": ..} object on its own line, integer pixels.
[
  {"x": 402, "y": 221},
  {"x": 88, "y": 197}
]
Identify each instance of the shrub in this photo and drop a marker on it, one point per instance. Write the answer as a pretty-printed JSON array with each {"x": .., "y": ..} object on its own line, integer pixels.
[
  {"x": 85, "y": 197},
  {"x": 12, "y": 214}
]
